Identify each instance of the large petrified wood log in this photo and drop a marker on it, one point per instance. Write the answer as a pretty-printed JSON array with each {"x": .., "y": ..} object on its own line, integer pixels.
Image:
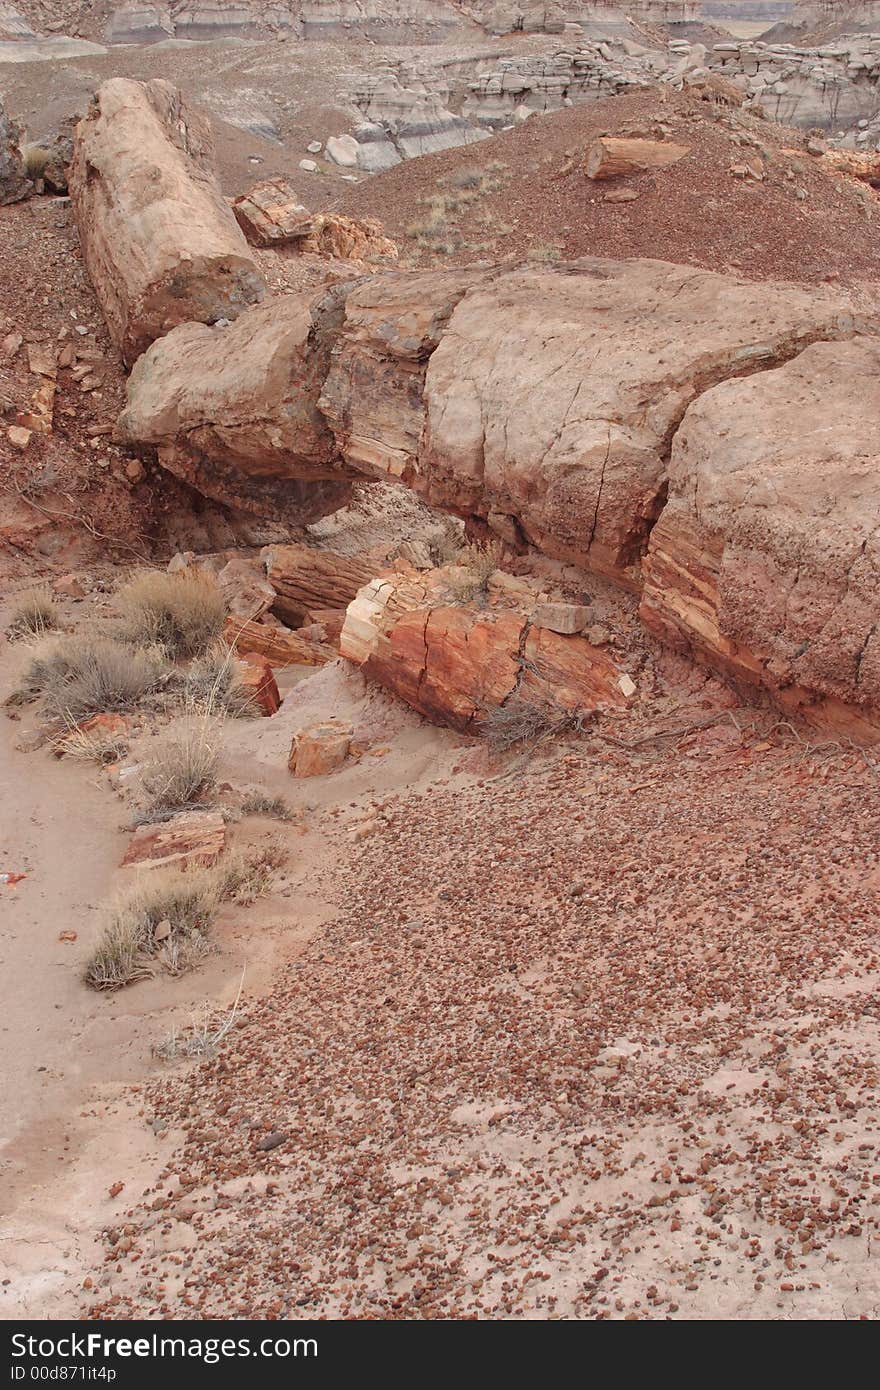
[
  {"x": 455, "y": 664},
  {"x": 766, "y": 560},
  {"x": 304, "y": 578},
  {"x": 611, "y": 158},
  {"x": 233, "y": 411},
  {"x": 160, "y": 244},
  {"x": 278, "y": 645}
]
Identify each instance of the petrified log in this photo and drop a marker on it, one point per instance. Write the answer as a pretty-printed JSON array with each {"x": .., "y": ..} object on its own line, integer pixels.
[
  {"x": 270, "y": 214},
  {"x": 160, "y": 244},
  {"x": 278, "y": 645},
  {"x": 304, "y": 578},
  {"x": 611, "y": 158},
  {"x": 766, "y": 560},
  {"x": 455, "y": 664},
  {"x": 233, "y": 411}
]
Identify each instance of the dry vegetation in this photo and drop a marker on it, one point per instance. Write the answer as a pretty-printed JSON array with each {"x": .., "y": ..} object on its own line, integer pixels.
[
  {"x": 182, "y": 613},
  {"x": 163, "y": 919},
  {"x": 34, "y": 614},
  {"x": 438, "y": 230},
  {"x": 472, "y": 570},
  {"x": 181, "y": 769},
  {"x": 77, "y": 675}
]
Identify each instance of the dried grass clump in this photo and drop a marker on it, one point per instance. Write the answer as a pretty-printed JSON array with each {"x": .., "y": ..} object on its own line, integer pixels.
[
  {"x": 248, "y": 875},
  {"x": 91, "y": 746},
  {"x": 81, "y": 675},
  {"x": 259, "y": 803},
  {"x": 35, "y": 613},
  {"x": 182, "y": 613},
  {"x": 183, "y": 905},
  {"x": 214, "y": 684},
  {"x": 523, "y": 723},
  {"x": 478, "y": 562},
  {"x": 181, "y": 769}
]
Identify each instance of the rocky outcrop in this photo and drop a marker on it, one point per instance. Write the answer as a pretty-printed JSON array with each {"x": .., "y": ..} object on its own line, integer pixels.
[
  {"x": 160, "y": 244},
  {"x": 456, "y": 664},
  {"x": 552, "y": 399},
  {"x": 766, "y": 560},
  {"x": 373, "y": 397},
  {"x": 14, "y": 184},
  {"x": 233, "y": 411},
  {"x": 546, "y": 406}
]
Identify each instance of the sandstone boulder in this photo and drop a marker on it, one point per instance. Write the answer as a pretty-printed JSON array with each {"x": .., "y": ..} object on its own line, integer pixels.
[
  {"x": 233, "y": 411},
  {"x": 160, "y": 244},
  {"x": 766, "y": 560}
]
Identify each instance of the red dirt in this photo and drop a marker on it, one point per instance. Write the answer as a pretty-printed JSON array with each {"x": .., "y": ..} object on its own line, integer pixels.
[{"x": 693, "y": 213}]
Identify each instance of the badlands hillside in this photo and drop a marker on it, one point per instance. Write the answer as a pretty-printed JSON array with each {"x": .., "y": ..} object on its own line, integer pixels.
[{"x": 440, "y": 660}]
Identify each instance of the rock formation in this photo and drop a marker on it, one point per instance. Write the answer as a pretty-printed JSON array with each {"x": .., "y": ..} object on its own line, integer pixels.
[
  {"x": 233, "y": 410},
  {"x": 456, "y": 664},
  {"x": 545, "y": 405},
  {"x": 14, "y": 185},
  {"x": 160, "y": 244},
  {"x": 766, "y": 559}
]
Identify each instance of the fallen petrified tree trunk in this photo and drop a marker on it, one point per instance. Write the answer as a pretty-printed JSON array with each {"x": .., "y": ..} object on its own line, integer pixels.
[
  {"x": 457, "y": 664},
  {"x": 160, "y": 244},
  {"x": 766, "y": 560},
  {"x": 611, "y": 158},
  {"x": 233, "y": 411},
  {"x": 304, "y": 578},
  {"x": 278, "y": 645}
]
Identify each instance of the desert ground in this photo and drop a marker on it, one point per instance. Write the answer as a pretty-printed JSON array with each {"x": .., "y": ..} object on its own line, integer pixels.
[{"x": 439, "y": 661}]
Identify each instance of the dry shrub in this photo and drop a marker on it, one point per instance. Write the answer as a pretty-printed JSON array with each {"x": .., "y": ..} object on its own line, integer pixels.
[
  {"x": 181, "y": 768},
  {"x": 248, "y": 874},
  {"x": 182, "y": 613},
  {"x": 35, "y": 158},
  {"x": 91, "y": 746},
  {"x": 34, "y": 614},
  {"x": 478, "y": 562},
  {"x": 81, "y": 675},
  {"x": 128, "y": 949},
  {"x": 259, "y": 803},
  {"x": 520, "y": 722},
  {"x": 214, "y": 683}
]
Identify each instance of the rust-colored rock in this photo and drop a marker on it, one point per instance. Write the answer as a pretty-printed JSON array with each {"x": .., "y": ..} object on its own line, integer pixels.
[
  {"x": 277, "y": 644},
  {"x": 247, "y": 592},
  {"x": 256, "y": 681},
  {"x": 233, "y": 411},
  {"x": 191, "y": 839},
  {"x": 320, "y": 749},
  {"x": 766, "y": 560},
  {"x": 455, "y": 664},
  {"x": 358, "y": 239},
  {"x": 270, "y": 214},
  {"x": 304, "y": 578},
  {"x": 612, "y": 158},
  {"x": 160, "y": 244}
]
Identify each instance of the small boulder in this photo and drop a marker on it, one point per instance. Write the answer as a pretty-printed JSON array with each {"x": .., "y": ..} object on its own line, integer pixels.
[
  {"x": 193, "y": 838},
  {"x": 257, "y": 682},
  {"x": 564, "y": 618},
  {"x": 320, "y": 749}
]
